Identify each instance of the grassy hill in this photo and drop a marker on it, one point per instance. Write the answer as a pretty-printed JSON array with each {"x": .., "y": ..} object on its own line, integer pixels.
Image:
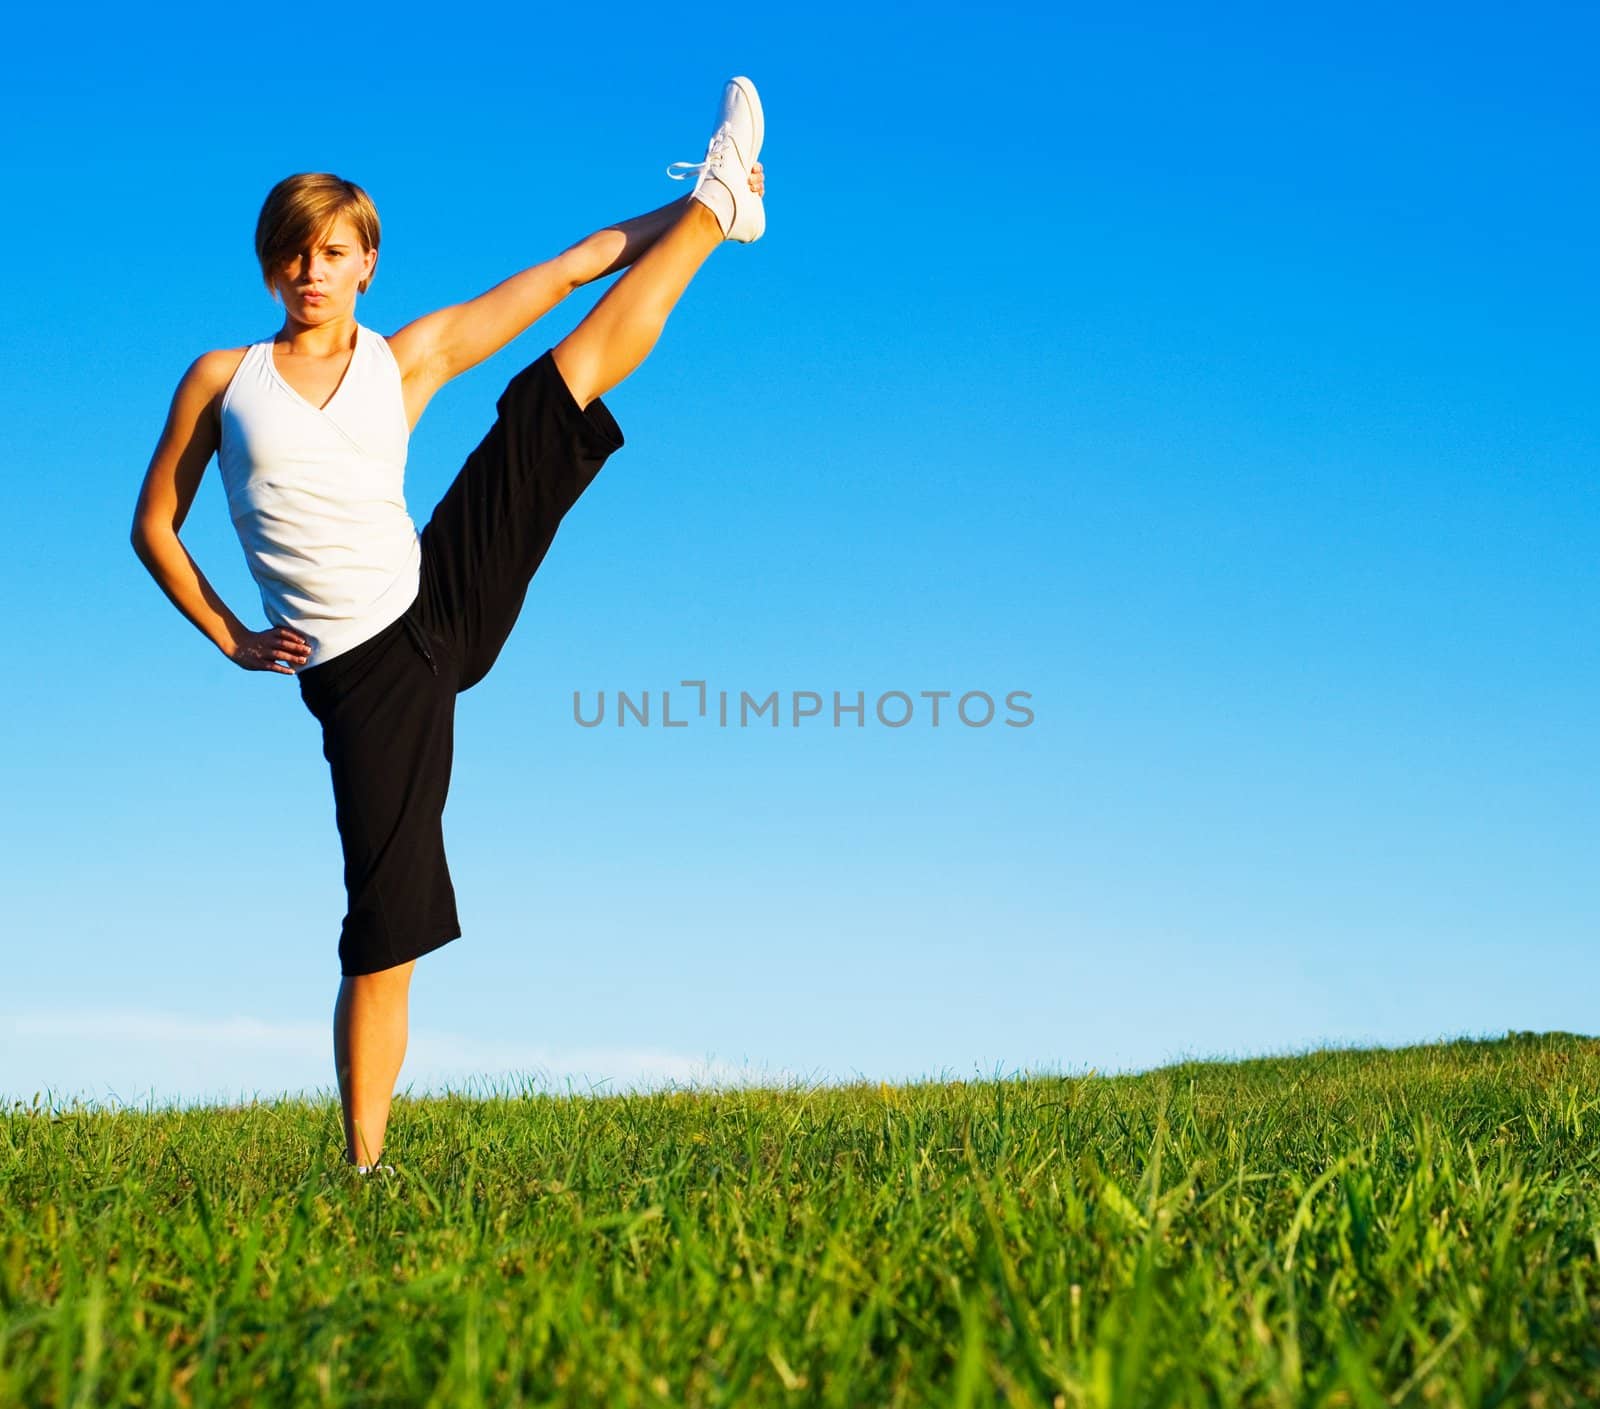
[{"x": 1362, "y": 1228}]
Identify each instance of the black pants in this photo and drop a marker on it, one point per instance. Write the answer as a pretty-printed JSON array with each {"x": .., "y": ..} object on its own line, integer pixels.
[{"x": 387, "y": 705}]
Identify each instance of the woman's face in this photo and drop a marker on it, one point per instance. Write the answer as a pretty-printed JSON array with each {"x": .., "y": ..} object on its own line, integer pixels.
[{"x": 322, "y": 282}]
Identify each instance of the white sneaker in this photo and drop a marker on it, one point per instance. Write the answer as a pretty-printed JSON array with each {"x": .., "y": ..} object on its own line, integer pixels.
[{"x": 724, "y": 179}]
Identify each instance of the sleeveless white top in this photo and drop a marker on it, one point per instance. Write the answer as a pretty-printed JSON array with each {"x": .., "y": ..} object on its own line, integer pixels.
[{"x": 317, "y": 496}]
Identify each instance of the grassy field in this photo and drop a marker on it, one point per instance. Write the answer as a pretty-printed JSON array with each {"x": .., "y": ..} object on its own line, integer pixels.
[{"x": 1363, "y": 1228}]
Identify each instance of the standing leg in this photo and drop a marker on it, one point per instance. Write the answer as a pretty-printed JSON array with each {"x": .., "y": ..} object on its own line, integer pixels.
[
  {"x": 623, "y": 326},
  {"x": 369, "y": 1044}
]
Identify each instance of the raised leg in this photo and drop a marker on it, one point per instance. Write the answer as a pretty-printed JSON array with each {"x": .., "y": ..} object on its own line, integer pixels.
[
  {"x": 623, "y": 326},
  {"x": 369, "y": 1045}
]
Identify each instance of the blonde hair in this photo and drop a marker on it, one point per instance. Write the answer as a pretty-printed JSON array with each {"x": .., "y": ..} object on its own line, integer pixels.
[{"x": 301, "y": 209}]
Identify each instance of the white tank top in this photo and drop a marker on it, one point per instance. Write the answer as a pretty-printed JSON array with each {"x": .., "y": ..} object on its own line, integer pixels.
[{"x": 317, "y": 496}]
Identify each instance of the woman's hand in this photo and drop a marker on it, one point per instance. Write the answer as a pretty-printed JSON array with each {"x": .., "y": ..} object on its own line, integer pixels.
[
  {"x": 268, "y": 650},
  {"x": 758, "y": 182}
]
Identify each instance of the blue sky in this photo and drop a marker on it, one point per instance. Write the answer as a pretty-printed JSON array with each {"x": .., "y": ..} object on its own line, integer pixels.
[{"x": 1222, "y": 379}]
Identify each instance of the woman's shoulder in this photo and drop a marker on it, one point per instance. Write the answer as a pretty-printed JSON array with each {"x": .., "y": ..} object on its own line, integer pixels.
[
  {"x": 212, "y": 371},
  {"x": 206, "y": 381}
]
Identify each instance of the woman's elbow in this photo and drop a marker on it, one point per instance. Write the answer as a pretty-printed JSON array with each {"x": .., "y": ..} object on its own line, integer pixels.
[{"x": 144, "y": 533}]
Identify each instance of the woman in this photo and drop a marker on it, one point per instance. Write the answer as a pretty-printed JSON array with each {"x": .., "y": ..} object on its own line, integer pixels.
[{"x": 382, "y": 625}]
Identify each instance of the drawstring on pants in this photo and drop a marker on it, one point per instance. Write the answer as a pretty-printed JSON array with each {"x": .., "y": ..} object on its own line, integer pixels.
[{"x": 415, "y": 633}]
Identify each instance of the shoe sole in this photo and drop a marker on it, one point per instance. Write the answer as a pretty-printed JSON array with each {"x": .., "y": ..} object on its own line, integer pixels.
[{"x": 745, "y": 86}]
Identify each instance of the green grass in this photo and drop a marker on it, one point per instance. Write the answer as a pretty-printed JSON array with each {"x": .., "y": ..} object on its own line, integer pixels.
[{"x": 1363, "y": 1228}]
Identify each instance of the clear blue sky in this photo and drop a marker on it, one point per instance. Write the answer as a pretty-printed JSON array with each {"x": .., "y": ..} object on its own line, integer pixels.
[{"x": 1225, "y": 380}]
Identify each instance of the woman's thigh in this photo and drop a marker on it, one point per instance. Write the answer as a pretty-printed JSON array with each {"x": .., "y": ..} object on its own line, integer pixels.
[
  {"x": 388, "y": 726},
  {"x": 495, "y": 523}
]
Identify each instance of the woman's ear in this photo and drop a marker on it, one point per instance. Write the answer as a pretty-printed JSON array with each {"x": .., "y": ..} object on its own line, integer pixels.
[{"x": 372, "y": 269}]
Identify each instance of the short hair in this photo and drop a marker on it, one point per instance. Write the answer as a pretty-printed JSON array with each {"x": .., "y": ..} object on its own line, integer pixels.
[{"x": 301, "y": 209}]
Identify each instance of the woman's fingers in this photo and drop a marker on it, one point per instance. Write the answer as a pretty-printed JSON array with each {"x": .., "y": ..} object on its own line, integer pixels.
[{"x": 278, "y": 649}]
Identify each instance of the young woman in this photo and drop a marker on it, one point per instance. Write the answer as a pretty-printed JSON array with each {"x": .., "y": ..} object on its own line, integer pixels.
[{"x": 384, "y": 626}]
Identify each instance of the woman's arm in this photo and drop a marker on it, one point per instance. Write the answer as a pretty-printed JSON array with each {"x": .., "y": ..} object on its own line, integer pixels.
[
  {"x": 187, "y": 444},
  {"x": 441, "y": 345}
]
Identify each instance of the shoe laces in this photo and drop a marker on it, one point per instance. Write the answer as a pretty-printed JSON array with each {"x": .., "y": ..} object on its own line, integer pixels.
[{"x": 716, "y": 152}]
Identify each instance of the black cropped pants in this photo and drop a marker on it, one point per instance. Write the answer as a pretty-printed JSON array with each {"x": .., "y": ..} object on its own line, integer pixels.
[{"x": 387, "y": 705}]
